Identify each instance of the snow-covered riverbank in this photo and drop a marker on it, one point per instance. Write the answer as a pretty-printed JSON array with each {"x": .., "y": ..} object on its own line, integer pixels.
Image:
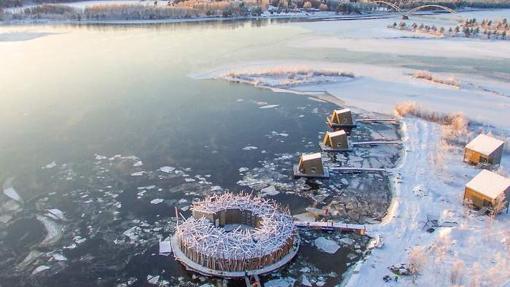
[{"x": 465, "y": 247}]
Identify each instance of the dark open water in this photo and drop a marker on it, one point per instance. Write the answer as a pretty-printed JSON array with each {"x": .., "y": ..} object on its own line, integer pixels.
[{"x": 90, "y": 117}]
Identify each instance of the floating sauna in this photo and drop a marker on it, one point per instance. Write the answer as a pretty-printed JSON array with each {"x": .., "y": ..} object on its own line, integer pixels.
[
  {"x": 233, "y": 236},
  {"x": 487, "y": 190},
  {"x": 335, "y": 142},
  {"x": 310, "y": 165},
  {"x": 483, "y": 150},
  {"x": 341, "y": 119}
]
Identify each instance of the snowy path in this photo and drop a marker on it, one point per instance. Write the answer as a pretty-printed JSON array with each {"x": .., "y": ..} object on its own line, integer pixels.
[
  {"x": 400, "y": 229},
  {"x": 427, "y": 188}
]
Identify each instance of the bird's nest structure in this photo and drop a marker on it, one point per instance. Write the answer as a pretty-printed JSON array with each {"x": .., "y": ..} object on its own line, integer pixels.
[{"x": 233, "y": 235}]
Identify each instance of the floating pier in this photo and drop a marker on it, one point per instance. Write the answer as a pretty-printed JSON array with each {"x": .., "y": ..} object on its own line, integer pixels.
[
  {"x": 380, "y": 142},
  {"x": 358, "y": 169},
  {"x": 326, "y": 148},
  {"x": 377, "y": 120},
  {"x": 332, "y": 226}
]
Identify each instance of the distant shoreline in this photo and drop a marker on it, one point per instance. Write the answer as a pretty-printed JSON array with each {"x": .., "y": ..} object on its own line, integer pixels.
[
  {"x": 314, "y": 16},
  {"x": 319, "y": 16}
]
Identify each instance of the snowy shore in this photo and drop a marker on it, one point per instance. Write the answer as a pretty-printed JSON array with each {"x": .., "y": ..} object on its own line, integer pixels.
[{"x": 465, "y": 247}]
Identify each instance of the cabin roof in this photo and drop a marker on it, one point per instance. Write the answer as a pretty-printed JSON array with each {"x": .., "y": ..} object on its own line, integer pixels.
[
  {"x": 343, "y": 111},
  {"x": 336, "y": 133},
  {"x": 484, "y": 144},
  {"x": 311, "y": 156},
  {"x": 489, "y": 184}
]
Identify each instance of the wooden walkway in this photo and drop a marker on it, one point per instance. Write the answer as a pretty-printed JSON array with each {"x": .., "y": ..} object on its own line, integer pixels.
[
  {"x": 376, "y": 142},
  {"x": 358, "y": 169},
  {"x": 377, "y": 120},
  {"x": 332, "y": 226}
]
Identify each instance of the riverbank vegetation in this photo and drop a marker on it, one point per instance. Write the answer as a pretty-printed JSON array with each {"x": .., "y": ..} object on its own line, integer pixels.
[
  {"x": 435, "y": 79},
  {"x": 177, "y": 9},
  {"x": 469, "y": 28}
]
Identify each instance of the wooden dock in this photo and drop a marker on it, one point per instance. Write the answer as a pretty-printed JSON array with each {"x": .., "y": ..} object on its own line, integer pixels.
[
  {"x": 358, "y": 169},
  {"x": 377, "y": 142},
  {"x": 377, "y": 120},
  {"x": 326, "y": 148},
  {"x": 332, "y": 226},
  {"x": 298, "y": 173}
]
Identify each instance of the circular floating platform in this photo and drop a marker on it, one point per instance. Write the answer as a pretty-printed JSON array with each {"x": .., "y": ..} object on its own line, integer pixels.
[{"x": 234, "y": 236}]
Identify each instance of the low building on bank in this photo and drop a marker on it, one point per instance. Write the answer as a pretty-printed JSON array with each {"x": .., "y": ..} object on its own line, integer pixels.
[
  {"x": 488, "y": 190},
  {"x": 483, "y": 149}
]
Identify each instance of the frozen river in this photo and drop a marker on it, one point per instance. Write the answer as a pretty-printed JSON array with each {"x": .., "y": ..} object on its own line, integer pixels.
[{"x": 105, "y": 129}]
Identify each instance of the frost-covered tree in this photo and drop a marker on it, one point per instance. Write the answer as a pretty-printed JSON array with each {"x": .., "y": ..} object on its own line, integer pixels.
[
  {"x": 457, "y": 273},
  {"x": 416, "y": 261}
]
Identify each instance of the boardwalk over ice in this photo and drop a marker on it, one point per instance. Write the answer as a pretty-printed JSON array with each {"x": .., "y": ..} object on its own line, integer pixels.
[{"x": 333, "y": 226}]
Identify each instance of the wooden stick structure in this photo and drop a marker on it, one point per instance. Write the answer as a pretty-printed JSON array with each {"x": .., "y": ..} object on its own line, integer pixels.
[{"x": 261, "y": 236}]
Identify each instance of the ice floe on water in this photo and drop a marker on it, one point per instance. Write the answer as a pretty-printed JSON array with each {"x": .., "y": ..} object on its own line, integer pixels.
[
  {"x": 282, "y": 282},
  {"x": 54, "y": 231},
  {"x": 59, "y": 257},
  {"x": 50, "y": 165},
  {"x": 9, "y": 190},
  {"x": 40, "y": 269},
  {"x": 167, "y": 169},
  {"x": 326, "y": 245},
  {"x": 11, "y": 193},
  {"x": 56, "y": 214},
  {"x": 270, "y": 190},
  {"x": 250, "y": 147},
  {"x": 156, "y": 201},
  {"x": 268, "y": 107}
]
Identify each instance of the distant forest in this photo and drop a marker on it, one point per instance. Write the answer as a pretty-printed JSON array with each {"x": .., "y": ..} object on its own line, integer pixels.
[{"x": 454, "y": 4}]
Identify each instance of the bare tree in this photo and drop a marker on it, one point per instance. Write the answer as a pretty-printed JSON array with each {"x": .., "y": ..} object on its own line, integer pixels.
[
  {"x": 457, "y": 273},
  {"x": 476, "y": 274},
  {"x": 498, "y": 206},
  {"x": 417, "y": 261}
]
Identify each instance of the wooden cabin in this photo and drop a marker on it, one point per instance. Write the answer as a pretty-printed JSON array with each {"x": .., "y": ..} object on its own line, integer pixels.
[
  {"x": 483, "y": 150},
  {"x": 310, "y": 165},
  {"x": 487, "y": 190},
  {"x": 341, "y": 118},
  {"x": 336, "y": 140}
]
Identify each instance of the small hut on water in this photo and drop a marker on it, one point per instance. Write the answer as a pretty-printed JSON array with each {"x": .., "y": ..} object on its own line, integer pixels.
[
  {"x": 483, "y": 150},
  {"x": 310, "y": 165},
  {"x": 340, "y": 118},
  {"x": 335, "y": 141}
]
